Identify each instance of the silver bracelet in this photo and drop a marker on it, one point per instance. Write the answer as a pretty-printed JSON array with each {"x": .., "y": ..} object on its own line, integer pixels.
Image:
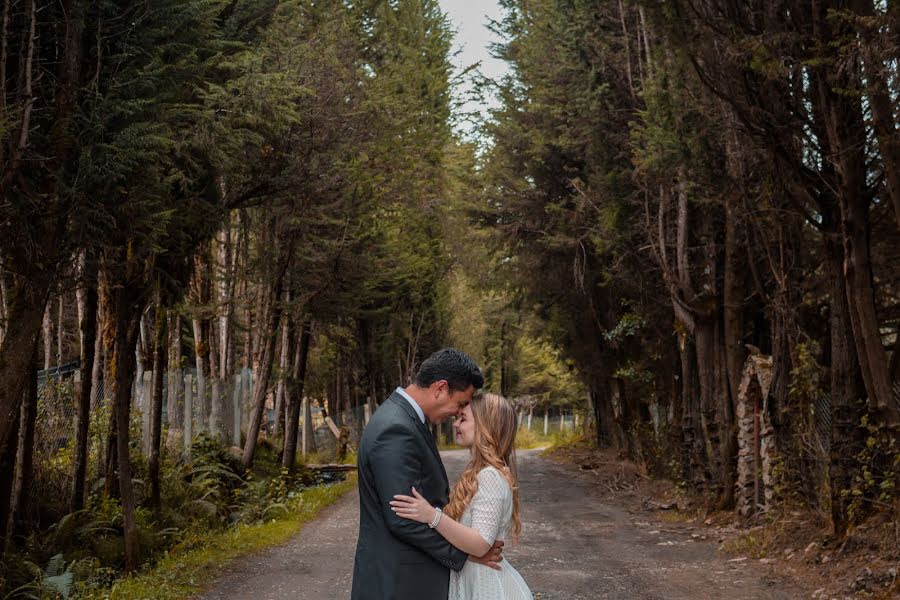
[{"x": 437, "y": 517}]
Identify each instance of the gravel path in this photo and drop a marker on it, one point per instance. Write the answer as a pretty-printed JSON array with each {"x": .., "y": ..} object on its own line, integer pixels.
[{"x": 575, "y": 546}]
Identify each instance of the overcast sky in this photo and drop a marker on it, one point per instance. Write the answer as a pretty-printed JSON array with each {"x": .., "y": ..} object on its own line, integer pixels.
[{"x": 470, "y": 19}]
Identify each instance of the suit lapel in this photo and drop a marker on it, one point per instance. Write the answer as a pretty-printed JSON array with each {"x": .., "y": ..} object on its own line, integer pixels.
[
  {"x": 431, "y": 444},
  {"x": 423, "y": 429}
]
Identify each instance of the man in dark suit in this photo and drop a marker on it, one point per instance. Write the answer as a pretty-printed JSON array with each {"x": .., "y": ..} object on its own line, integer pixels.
[{"x": 399, "y": 559}]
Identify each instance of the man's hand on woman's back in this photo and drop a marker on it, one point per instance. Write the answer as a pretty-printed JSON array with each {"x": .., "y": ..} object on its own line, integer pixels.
[{"x": 492, "y": 558}]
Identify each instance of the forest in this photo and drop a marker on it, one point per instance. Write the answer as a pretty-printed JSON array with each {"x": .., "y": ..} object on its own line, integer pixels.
[{"x": 681, "y": 221}]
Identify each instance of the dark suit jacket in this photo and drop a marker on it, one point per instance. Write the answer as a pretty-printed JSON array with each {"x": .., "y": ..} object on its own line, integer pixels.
[{"x": 399, "y": 559}]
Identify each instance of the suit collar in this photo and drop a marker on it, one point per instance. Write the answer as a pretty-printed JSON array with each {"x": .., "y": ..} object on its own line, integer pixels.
[
  {"x": 423, "y": 429},
  {"x": 409, "y": 399},
  {"x": 404, "y": 404}
]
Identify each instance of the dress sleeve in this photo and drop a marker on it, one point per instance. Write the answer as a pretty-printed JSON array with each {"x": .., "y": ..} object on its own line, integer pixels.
[{"x": 489, "y": 505}]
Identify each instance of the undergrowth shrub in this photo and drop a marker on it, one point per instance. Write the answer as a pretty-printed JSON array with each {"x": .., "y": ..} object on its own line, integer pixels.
[{"x": 210, "y": 491}]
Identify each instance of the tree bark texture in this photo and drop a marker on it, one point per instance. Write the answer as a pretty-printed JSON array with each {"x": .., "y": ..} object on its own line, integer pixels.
[
  {"x": 264, "y": 373},
  {"x": 126, "y": 304},
  {"x": 296, "y": 384},
  {"x": 156, "y": 402},
  {"x": 8, "y": 452},
  {"x": 87, "y": 300},
  {"x": 21, "y": 500}
]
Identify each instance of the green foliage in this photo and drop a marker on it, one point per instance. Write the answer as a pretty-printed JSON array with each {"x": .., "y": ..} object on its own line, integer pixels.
[
  {"x": 567, "y": 437},
  {"x": 629, "y": 324},
  {"x": 268, "y": 498},
  {"x": 543, "y": 373},
  {"x": 876, "y": 483},
  {"x": 200, "y": 554},
  {"x": 53, "y": 581},
  {"x": 526, "y": 439},
  {"x": 807, "y": 375},
  {"x": 211, "y": 493}
]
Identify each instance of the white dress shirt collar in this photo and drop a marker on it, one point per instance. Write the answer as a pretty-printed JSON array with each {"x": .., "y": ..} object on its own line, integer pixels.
[{"x": 415, "y": 404}]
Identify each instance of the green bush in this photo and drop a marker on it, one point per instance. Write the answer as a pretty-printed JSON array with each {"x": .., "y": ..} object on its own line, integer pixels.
[{"x": 211, "y": 492}]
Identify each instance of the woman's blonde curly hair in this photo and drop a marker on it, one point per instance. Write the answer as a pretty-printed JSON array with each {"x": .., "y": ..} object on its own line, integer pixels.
[{"x": 496, "y": 424}]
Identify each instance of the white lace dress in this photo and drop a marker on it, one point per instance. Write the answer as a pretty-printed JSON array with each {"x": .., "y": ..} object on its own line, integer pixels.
[{"x": 489, "y": 513}]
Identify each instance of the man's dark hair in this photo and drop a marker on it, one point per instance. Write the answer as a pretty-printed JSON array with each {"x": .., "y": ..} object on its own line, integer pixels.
[{"x": 451, "y": 364}]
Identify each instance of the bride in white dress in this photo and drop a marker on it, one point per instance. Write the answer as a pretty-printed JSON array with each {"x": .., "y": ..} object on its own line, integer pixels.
[{"x": 484, "y": 505}]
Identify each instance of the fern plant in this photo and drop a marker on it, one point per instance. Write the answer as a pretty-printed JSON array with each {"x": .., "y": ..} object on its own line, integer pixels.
[{"x": 53, "y": 581}]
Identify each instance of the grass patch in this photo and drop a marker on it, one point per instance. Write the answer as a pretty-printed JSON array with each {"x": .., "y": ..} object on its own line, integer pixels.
[
  {"x": 750, "y": 544},
  {"x": 197, "y": 559},
  {"x": 526, "y": 439},
  {"x": 568, "y": 438},
  {"x": 326, "y": 457}
]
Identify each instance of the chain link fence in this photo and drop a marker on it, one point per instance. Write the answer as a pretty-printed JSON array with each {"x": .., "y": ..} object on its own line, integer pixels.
[{"x": 185, "y": 414}]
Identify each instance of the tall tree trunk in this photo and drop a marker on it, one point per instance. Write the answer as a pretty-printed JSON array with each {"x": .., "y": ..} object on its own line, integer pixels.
[
  {"x": 248, "y": 335},
  {"x": 108, "y": 334},
  {"x": 125, "y": 312},
  {"x": 263, "y": 304},
  {"x": 224, "y": 301},
  {"x": 200, "y": 296},
  {"x": 24, "y": 456},
  {"x": 845, "y": 379},
  {"x": 87, "y": 303},
  {"x": 733, "y": 302},
  {"x": 693, "y": 447},
  {"x": 246, "y": 289},
  {"x": 99, "y": 352},
  {"x": 705, "y": 348},
  {"x": 27, "y": 301},
  {"x": 60, "y": 331},
  {"x": 8, "y": 452},
  {"x": 280, "y": 392},
  {"x": 298, "y": 377},
  {"x": 201, "y": 350},
  {"x": 732, "y": 357},
  {"x": 47, "y": 326},
  {"x": 174, "y": 401},
  {"x": 111, "y": 463},
  {"x": 628, "y": 419},
  {"x": 847, "y": 141},
  {"x": 264, "y": 372},
  {"x": 604, "y": 416},
  {"x": 156, "y": 401},
  {"x": 217, "y": 384},
  {"x": 861, "y": 297},
  {"x": 727, "y": 425},
  {"x": 35, "y": 264},
  {"x": 218, "y": 396}
]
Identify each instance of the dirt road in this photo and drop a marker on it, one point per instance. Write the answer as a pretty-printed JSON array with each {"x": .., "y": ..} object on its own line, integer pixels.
[{"x": 575, "y": 546}]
